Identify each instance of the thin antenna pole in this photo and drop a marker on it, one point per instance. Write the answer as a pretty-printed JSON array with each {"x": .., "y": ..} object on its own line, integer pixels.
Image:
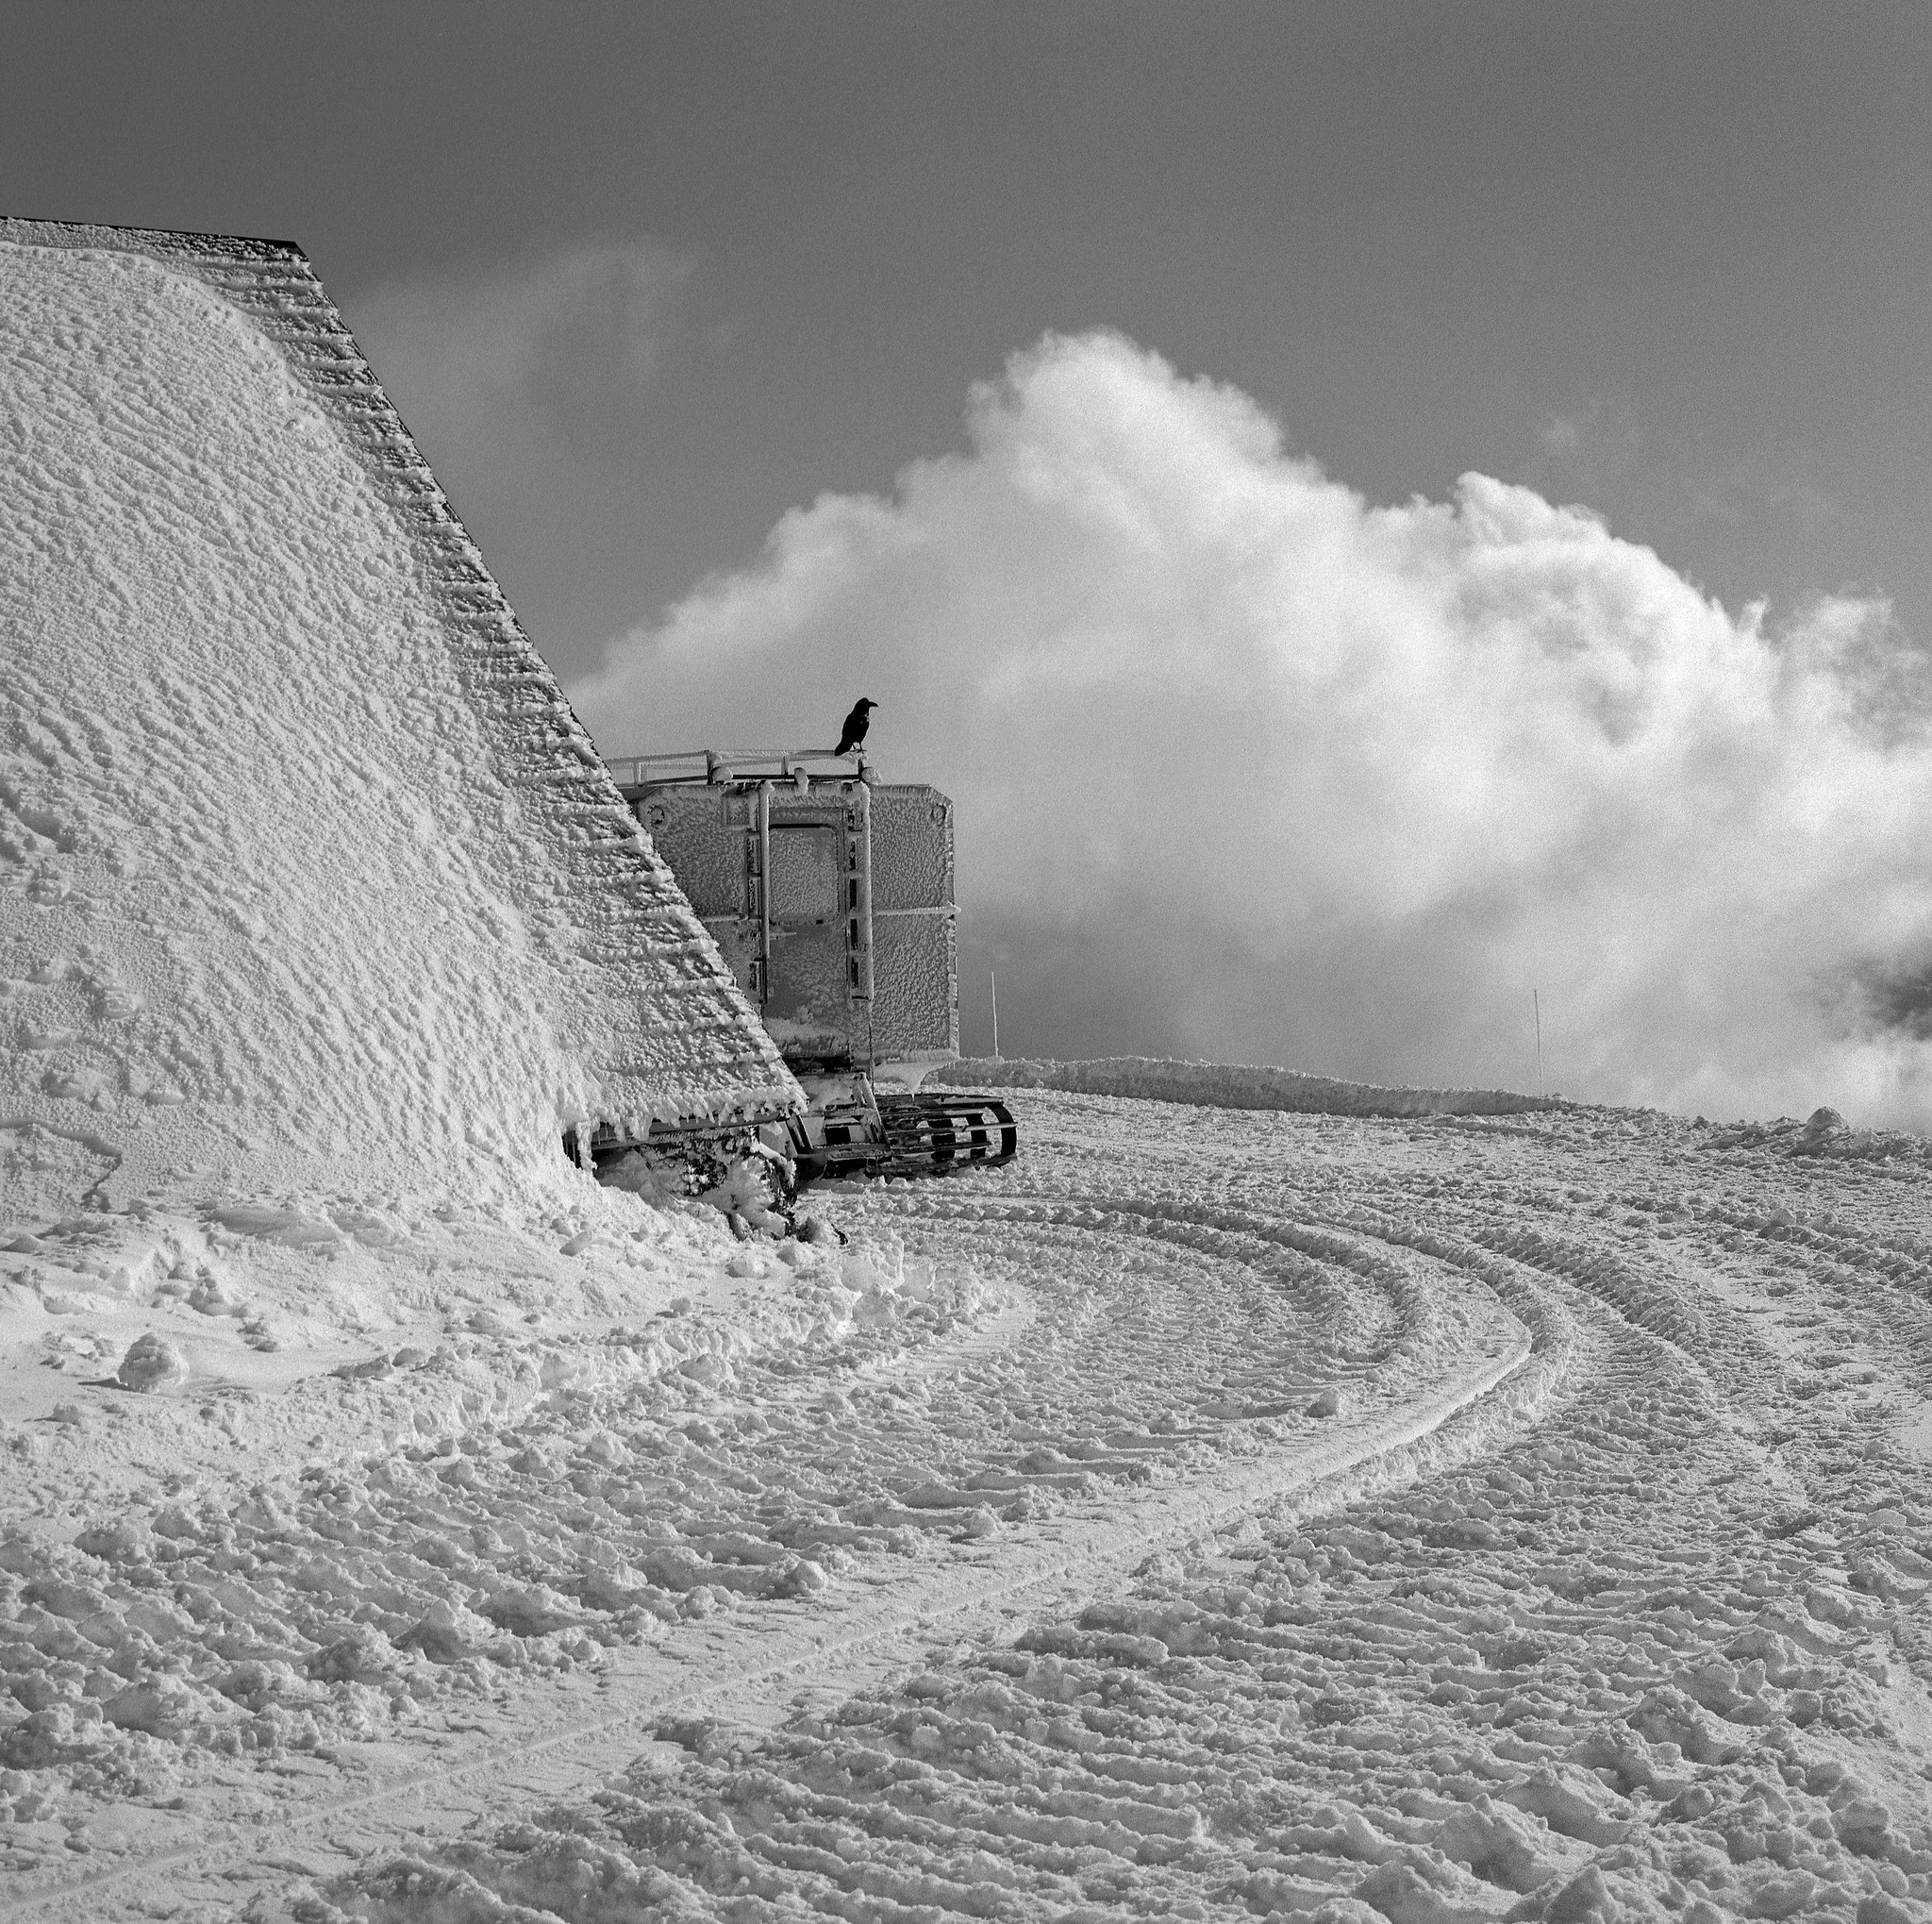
[
  {"x": 995, "y": 982},
  {"x": 1536, "y": 1002}
]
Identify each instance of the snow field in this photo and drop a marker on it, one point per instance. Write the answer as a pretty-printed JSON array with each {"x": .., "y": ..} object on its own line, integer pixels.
[
  {"x": 370, "y": 1551},
  {"x": 807, "y": 1487},
  {"x": 1225, "y": 1085},
  {"x": 1039, "y": 1587},
  {"x": 1655, "y": 1649}
]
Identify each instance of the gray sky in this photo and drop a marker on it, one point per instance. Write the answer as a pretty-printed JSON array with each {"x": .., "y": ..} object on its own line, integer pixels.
[
  {"x": 646, "y": 279},
  {"x": 1671, "y": 262}
]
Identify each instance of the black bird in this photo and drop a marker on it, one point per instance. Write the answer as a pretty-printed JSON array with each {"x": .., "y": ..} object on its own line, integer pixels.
[{"x": 855, "y": 725}]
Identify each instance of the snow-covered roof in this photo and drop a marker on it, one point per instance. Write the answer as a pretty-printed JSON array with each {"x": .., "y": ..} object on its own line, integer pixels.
[{"x": 307, "y": 869}]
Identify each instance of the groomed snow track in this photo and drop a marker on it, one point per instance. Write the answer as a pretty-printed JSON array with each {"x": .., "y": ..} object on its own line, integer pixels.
[{"x": 1400, "y": 1520}]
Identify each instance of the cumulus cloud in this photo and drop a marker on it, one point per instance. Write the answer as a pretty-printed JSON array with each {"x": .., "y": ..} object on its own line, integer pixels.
[
  {"x": 1249, "y": 768},
  {"x": 593, "y": 317}
]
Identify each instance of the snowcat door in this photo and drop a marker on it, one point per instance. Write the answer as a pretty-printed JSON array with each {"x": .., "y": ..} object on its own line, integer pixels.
[
  {"x": 817, "y": 999},
  {"x": 806, "y": 987}
]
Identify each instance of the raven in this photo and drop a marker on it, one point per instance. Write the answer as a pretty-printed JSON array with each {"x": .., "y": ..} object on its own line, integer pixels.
[{"x": 855, "y": 725}]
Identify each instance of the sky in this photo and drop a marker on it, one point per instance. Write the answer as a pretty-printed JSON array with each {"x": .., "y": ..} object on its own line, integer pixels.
[{"x": 1096, "y": 386}]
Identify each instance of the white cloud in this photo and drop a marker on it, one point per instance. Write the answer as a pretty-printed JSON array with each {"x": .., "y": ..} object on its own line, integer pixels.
[
  {"x": 1562, "y": 434},
  {"x": 471, "y": 364},
  {"x": 1251, "y": 769}
]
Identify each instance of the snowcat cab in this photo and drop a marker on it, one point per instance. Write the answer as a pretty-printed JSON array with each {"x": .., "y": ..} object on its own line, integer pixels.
[{"x": 829, "y": 895}]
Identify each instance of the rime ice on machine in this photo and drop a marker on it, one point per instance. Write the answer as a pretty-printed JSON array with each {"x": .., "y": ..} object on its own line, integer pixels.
[{"x": 830, "y": 897}]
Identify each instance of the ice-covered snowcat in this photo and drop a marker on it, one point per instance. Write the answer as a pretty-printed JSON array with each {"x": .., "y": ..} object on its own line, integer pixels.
[{"x": 829, "y": 895}]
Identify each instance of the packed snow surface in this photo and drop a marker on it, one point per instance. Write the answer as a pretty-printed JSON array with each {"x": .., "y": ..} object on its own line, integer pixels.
[
  {"x": 307, "y": 876},
  {"x": 1214, "y": 1513},
  {"x": 1232, "y": 1086}
]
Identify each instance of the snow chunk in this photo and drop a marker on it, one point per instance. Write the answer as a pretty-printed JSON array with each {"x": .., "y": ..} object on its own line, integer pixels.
[{"x": 151, "y": 1362}]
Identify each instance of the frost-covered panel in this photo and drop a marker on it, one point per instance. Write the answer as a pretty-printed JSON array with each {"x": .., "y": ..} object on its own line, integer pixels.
[
  {"x": 807, "y": 881},
  {"x": 915, "y": 971},
  {"x": 690, "y": 829},
  {"x": 808, "y": 1007},
  {"x": 912, "y": 848},
  {"x": 307, "y": 873},
  {"x": 915, "y": 978}
]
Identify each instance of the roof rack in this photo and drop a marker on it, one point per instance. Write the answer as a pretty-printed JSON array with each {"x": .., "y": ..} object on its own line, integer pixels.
[{"x": 722, "y": 765}]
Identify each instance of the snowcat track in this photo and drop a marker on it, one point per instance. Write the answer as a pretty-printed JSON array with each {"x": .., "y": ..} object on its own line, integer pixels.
[
  {"x": 931, "y": 1135},
  {"x": 908, "y": 1135}
]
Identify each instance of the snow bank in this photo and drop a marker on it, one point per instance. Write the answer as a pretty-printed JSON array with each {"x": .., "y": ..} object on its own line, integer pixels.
[
  {"x": 599, "y": 1463},
  {"x": 307, "y": 874},
  {"x": 1825, "y": 1133},
  {"x": 1223, "y": 1085},
  {"x": 1630, "y": 1636}
]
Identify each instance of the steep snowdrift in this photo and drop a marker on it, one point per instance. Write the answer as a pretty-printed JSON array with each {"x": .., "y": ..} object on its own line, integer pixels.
[{"x": 308, "y": 874}]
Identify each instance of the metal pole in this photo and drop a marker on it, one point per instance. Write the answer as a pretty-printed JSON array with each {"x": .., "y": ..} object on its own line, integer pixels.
[
  {"x": 865, "y": 954},
  {"x": 764, "y": 898},
  {"x": 1536, "y": 1003},
  {"x": 995, "y": 982}
]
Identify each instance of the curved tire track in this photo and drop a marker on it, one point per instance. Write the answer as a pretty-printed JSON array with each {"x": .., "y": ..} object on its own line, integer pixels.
[{"x": 1429, "y": 1356}]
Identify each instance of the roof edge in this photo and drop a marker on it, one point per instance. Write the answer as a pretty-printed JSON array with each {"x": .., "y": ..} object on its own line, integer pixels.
[{"x": 28, "y": 230}]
